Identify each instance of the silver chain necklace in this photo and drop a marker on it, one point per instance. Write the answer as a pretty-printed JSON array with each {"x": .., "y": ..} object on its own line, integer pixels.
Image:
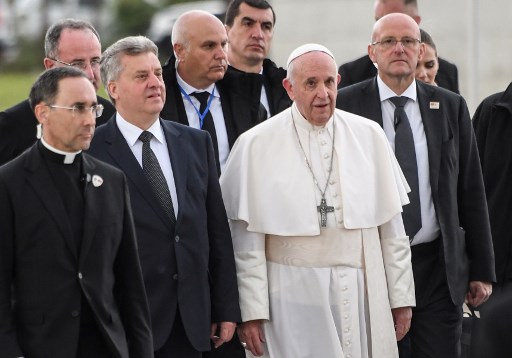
[{"x": 323, "y": 208}]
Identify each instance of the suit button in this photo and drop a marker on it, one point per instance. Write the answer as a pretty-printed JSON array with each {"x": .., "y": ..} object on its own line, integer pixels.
[
  {"x": 75, "y": 314},
  {"x": 177, "y": 238},
  {"x": 175, "y": 276},
  {"x": 80, "y": 276}
]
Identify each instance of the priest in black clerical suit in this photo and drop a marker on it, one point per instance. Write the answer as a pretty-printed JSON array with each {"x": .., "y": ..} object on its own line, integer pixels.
[{"x": 70, "y": 279}]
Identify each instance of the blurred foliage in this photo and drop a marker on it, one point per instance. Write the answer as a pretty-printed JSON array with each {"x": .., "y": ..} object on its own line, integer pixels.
[
  {"x": 29, "y": 57},
  {"x": 132, "y": 18}
]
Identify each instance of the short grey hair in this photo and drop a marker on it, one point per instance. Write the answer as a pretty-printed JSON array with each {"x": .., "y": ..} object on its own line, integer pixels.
[
  {"x": 110, "y": 63},
  {"x": 52, "y": 38}
]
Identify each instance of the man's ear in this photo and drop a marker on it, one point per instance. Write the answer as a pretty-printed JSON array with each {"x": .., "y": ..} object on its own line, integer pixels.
[
  {"x": 41, "y": 111},
  {"x": 422, "y": 51},
  {"x": 48, "y": 63},
  {"x": 112, "y": 90},
  {"x": 287, "y": 84},
  {"x": 371, "y": 52},
  {"x": 179, "y": 51}
]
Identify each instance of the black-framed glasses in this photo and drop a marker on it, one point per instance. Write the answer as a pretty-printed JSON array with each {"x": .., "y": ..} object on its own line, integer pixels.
[
  {"x": 390, "y": 42},
  {"x": 95, "y": 63},
  {"x": 96, "y": 109}
]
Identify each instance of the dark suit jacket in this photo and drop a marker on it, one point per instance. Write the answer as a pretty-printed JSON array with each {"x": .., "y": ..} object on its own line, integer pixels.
[
  {"x": 493, "y": 128},
  {"x": 272, "y": 79},
  {"x": 455, "y": 177},
  {"x": 240, "y": 99},
  {"x": 277, "y": 96},
  {"x": 363, "y": 69},
  {"x": 193, "y": 268},
  {"x": 39, "y": 261},
  {"x": 18, "y": 128}
]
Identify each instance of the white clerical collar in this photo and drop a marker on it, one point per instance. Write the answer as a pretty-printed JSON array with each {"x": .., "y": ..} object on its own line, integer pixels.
[
  {"x": 303, "y": 123},
  {"x": 386, "y": 93},
  {"x": 132, "y": 133},
  {"x": 190, "y": 89},
  {"x": 68, "y": 157}
]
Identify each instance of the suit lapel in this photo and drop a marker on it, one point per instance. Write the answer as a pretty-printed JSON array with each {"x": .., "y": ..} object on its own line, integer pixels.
[
  {"x": 229, "y": 119},
  {"x": 91, "y": 206},
  {"x": 44, "y": 187},
  {"x": 371, "y": 106},
  {"x": 178, "y": 154},
  {"x": 122, "y": 155},
  {"x": 433, "y": 124}
]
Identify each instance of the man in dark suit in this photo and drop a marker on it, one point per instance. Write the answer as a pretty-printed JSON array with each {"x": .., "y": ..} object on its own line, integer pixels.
[
  {"x": 452, "y": 255},
  {"x": 492, "y": 123},
  {"x": 68, "y": 42},
  {"x": 198, "y": 68},
  {"x": 184, "y": 238},
  {"x": 250, "y": 28},
  {"x": 70, "y": 278},
  {"x": 364, "y": 68}
]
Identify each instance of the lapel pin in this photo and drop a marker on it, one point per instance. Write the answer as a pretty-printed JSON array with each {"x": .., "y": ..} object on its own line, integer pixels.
[
  {"x": 97, "y": 180},
  {"x": 434, "y": 105}
]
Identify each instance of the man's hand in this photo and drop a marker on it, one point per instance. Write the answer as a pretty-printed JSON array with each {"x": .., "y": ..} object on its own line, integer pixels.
[
  {"x": 479, "y": 292},
  {"x": 402, "y": 318},
  {"x": 251, "y": 333},
  {"x": 226, "y": 330}
]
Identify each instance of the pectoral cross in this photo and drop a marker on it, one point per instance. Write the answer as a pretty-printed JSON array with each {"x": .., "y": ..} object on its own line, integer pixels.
[{"x": 323, "y": 209}]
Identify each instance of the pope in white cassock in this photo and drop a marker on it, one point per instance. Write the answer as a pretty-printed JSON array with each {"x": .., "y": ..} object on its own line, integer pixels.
[{"x": 314, "y": 196}]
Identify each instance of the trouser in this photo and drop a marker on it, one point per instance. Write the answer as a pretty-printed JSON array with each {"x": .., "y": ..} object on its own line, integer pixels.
[
  {"x": 436, "y": 325},
  {"x": 177, "y": 345}
]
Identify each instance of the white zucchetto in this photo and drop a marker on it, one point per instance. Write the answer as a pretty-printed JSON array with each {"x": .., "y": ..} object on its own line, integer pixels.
[{"x": 301, "y": 50}]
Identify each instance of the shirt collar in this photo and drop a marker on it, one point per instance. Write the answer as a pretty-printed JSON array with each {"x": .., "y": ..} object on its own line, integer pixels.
[
  {"x": 68, "y": 158},
  {"x": 303, "y": 123},
  {"x": 132, "y": 133},
  {"x": 386, "y": 93},
  {"x": 189, "y": 89}
]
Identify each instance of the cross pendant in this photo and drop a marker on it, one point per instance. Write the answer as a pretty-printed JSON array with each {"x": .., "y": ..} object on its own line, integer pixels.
[{"x": 323, "y": 209}]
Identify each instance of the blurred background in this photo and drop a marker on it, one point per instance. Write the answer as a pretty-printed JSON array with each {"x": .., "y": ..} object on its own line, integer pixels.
[{"x": 473, "y": 34}]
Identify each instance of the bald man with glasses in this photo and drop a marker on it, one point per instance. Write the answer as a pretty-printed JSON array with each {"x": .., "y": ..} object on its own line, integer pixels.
[{"x": 68, "y": 43}]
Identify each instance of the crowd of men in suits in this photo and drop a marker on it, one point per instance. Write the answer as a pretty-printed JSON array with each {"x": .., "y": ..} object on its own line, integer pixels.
[{"x": 85, "y": 254}]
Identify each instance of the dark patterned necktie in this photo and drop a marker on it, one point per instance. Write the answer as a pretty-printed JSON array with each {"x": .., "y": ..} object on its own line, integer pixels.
[
  {"x": 406, "y": 156},
  {"x": 155, "y": 176}
]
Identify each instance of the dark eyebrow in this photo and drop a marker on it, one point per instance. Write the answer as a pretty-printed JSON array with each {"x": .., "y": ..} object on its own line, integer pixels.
[{"x": 247, "y": 18}]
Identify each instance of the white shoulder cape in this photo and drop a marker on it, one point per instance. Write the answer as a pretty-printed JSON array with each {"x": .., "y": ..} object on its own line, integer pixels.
[{"x": 267, "y": 183}]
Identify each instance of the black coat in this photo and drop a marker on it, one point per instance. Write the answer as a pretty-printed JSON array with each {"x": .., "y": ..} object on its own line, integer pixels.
[
  {"x": 240, "y": 99},
  {"x": 48, "y": 275},
  {"x": 455, "y": 178},
  {"x": 277, "y": 96},
  {"x": 493, "y": 128},
  {"x": 363, "y": 68},
  {"x": 18, "y": 128}
]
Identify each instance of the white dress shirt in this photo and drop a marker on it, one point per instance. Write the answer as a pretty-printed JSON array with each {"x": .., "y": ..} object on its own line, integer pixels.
[
  {"x": 215, "y": 110},
  {"x": 158, "y": 144},
  {"x": 429, "y": 225}
]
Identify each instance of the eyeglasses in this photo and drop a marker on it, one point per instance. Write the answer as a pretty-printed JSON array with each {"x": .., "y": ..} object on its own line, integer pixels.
[
  {"x": 96, "y": 110},
  {"x": 390, "y": 42},
  {"x": 95, "y": 63}
]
